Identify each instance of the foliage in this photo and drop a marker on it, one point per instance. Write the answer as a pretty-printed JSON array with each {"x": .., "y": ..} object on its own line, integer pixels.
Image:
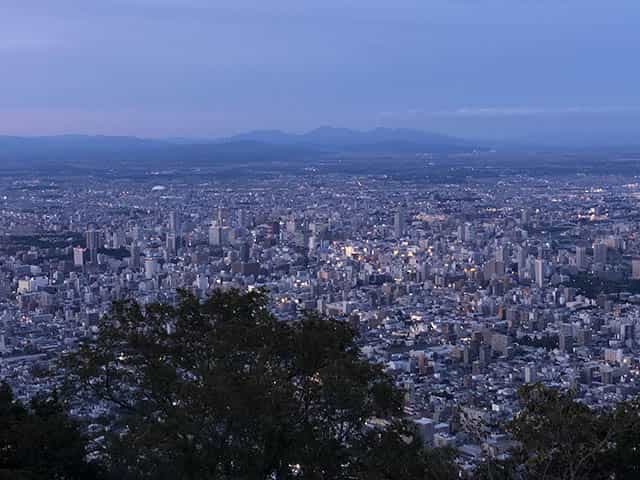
[
  {"x": 561, "y": 438},
  {"x": 40, "y": 441},
  {"x": 222, "y": 389}
]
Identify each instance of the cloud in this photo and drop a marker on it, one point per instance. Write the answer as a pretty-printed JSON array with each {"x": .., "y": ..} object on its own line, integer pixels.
[{"x": 515, "y": 111}]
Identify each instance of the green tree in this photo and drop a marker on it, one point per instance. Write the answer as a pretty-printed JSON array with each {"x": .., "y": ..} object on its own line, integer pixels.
[
  {"x": 224, "y": 390},
  {"x": 40, "y": 441}
]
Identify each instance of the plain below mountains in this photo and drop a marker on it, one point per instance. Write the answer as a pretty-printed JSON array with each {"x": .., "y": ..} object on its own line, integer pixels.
[{"x": 85, "y": 151}]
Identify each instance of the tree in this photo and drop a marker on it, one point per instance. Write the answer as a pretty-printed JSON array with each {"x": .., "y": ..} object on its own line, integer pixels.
[
  {"x": 40, "y": 441},
  {"x": 560, "y": 438},
  {"x": 222, "y": 389}
]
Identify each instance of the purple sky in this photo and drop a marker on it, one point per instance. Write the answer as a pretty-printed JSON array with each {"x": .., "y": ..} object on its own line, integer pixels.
[{"x": 539, "y": 69}]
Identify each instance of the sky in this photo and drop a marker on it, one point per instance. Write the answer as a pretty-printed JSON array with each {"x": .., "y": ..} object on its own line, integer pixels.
[{"x": 521, "y": 70}]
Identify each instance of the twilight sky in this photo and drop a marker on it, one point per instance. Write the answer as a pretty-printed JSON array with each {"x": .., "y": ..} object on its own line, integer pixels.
[{"x": 551, "y": 70}]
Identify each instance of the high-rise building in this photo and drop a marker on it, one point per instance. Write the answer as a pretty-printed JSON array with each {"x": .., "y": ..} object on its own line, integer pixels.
[
  {"x": 469, "y": 233},
  {"x": 150, "y": 267},
  {"x": 241, "y": 218},
  {"x": 171, "y": 243},
  {"x": 78, "y": 256},
  {"x": 215, "y": 235},
  {"x": 635, "y": 269},
  {"x": 539, "y": 270},
  {"x": 522, "y": 261},
  {"x": 399, "y": 223},
  {"x": 581, "y": 257},
  {"x": 502, "y": 254},
  {"x": 530, "y": 374},
  {"x": 135, "y": 256},
  {"x": 565, "y": 342},
  {"x": 174, "y": 226},
  {"x": 245, "y": 252},
  {"x": 92, "y": 241},
  {"x": 600, "y": 252}
]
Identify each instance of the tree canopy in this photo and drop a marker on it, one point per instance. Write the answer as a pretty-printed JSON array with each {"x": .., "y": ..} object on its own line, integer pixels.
[
  {"x": 222, "y": 389},
  {"x": 39, "y": 441},
  {"x": 561, "y": 438}
]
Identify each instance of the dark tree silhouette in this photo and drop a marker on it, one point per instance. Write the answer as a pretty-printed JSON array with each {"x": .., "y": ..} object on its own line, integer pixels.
[
  {"x": 224, "y": 390},
  {"x": 563, "y": 439},
  {"x": 40, "y": 442}
]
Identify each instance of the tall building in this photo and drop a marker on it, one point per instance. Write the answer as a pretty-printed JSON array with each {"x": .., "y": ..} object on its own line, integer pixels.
[
  {"x": 522, "y": 261},
  {"x": 174, "y": 226},
  {"x": 600, "y": 252},
  {"x": 565, "y": 342},
  {"x": 539, "y": 270},
  {"x": 78, "y": 256},
  {"x": 469, "y": 233},
  {"x": 171, "y": 243},
  {"x": 241, "y": 218},
  {"x": 92, "y": 241},
  {"x": 399, "y": 223},
  {"x": 150, "y": 267},
  {"x": 530, "y": 374},
  {"x": 245, "y": 252},
  {"x": 502, "y": 254},
  {"x": 221, "y": 216},
  {"x": 215, "y": 235},
  {"x": 635, "y": 269},
  {"x": 581, "y": 257},
  {"x": 135, "y": 256}
]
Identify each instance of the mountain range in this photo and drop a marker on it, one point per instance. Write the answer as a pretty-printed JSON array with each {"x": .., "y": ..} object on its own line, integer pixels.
[{"x": 256, "y": 146}]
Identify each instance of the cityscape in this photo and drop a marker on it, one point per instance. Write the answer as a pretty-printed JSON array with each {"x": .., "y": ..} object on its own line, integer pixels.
[
  {"x": 336, "y": 240},
  {"x": 461, "y": 292}
]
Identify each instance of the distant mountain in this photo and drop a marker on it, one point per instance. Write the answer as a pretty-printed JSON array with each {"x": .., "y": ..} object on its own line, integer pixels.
[
  {"x": 331, "y": 138},
  {"x": 99, "y": 151}
]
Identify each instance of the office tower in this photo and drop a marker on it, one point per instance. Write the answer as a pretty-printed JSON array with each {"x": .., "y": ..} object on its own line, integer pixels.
[
  {"x": 150, "y": 267},
  {"x": 118, "y": 239},
  {"x": 136, "y": 234},
  {"x": 635, "y": 269},
  {"x": 174, "y": 226},
  {"x": 425, "y": 428},
  {"x": 525, "y": 218},
  {"x": 530, "y": 374},
  {"x": 502, "y": 254},
  {"x": 215, "y": 235},
  {"x": 174, "y": 233},
  {"x": 469, "y": 233},
  {"x": 398, "y": 223},
  {"x": 135, "y": 256},
  {"x": 78, "y": 256},
  {"x": 522, "y": 261},
  {"x": 220, "y": 216},
  {"x": 565, "y": 342},
  {"x": 581, "y": 257},
  {"x": 92, "y": 240},
  {"x": 202, "y": 282},
  {"x": 241, "y": 218},
  {"x": 245, "y": 252},
  {"x": 600, "y": 252},
  {"x": 171, "y": 243},
  {"x": 539, "y": 271}
]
